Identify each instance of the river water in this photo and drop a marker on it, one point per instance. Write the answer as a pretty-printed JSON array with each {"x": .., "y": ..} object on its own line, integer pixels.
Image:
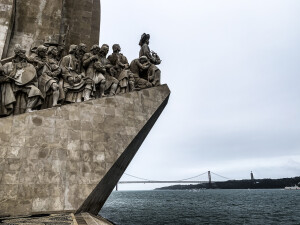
[{"x": 203, "y": 207}]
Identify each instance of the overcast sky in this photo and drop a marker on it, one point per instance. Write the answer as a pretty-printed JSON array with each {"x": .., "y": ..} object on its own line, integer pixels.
[{"x": 234, "y": 72}]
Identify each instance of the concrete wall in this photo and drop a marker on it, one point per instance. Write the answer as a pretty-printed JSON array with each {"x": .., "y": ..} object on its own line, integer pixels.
[
  {"x": 72, "y": 21},
  {"x": 7, "y": 13},
  {"x": 62, "y": 158},
  {"x": 81, "y": 22}
]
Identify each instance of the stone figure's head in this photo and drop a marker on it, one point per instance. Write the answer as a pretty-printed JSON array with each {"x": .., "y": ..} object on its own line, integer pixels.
[
  {"x": 52, "y": 50},
  {"x": 116, "y": 48},
  {"x": 20, "y": 51},
  {"x": 95, "y": 49},
  {"x": 81, "y": 50},
  {"x": 41, "y": 51},
  {"x": 73, "y": 49},
  {"x": 104, "y": 50},
  {"x": 143, "y": 59},
  {"x": 144, "y": 39}
]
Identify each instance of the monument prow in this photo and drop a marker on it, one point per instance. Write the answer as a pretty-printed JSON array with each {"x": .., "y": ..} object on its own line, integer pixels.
[{"x": 70, "y": 158}]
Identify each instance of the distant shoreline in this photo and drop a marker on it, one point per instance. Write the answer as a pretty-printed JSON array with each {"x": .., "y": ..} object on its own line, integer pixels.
[{"x": 240, "y": 184}]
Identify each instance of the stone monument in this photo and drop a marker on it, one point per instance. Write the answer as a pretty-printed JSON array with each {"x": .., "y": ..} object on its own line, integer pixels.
[{"x": 73, "y": 118}]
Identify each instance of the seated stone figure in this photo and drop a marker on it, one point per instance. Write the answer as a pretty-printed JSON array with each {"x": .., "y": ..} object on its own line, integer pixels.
[
  {"x": 153, "y": 73},
  {"x": 95, "y": 71},
  {"x": 120, "y": 69},
  {"x": 76, "y": 86},
  {"x": 47, "y": 80},
  {"x": 7, "y": 98},
  {"x": 24, "y": 82},
  {"x": 111, "y": 84},
  {"x": 139, "y": 68}
]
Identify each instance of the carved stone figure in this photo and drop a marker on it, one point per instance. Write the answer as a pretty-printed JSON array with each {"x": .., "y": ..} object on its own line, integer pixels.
[
  {"x": 76, "y": 85},
  {"x": 7, "y": 98},
  {"x": 95, "y": 71},
  {"x": 120, "y": 69},
  {"x": 53, "y": 69},
  {"x": 24, "y": 82},
  {"x": 111, "y": 84},
  {"x": 153, "y": 72},
  {"x": 139, "y": 68},
  {"x": 47, "y": 80}
]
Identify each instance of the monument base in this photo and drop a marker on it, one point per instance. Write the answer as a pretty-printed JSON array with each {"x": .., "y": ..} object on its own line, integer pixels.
[{"x": 54, "y": 219}]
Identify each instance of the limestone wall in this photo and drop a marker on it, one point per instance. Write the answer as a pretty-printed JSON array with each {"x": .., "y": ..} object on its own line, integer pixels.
[
  {"x": 6, "y": 24},
  {"x": 52, "y": 160},
  {"x": 68, "y": 21}
]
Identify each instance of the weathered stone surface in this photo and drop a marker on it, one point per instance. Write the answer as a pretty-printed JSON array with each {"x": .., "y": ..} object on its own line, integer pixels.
[
  {"x": 52, "y": 160},
  {"x": 57, "y": 219},
  {"x": 7, "y": 14},
  {"x": 32, "y": 22}
]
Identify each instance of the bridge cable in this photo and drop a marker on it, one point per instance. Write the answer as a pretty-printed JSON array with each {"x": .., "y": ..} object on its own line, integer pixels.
[
  {"x": 154, "y": 180},
  {"x": 221, "y": 176},
  {"x": 137, "y": 177},
  {"x": 193, "y": 177}
]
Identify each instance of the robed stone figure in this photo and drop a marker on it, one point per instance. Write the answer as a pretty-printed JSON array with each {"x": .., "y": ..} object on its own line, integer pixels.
[
  {"x": 24, "y": 82},
  {"x": 153, "y": 73},
  {"x": 7, "y": 97},
  {"x": 76, "y": 86}
]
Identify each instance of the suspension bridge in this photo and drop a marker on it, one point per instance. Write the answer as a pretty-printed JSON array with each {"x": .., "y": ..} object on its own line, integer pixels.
[{"x": 190, "y": 180}]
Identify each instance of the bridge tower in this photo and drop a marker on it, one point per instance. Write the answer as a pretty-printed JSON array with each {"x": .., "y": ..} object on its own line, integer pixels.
[
  {"x": 209, "y": 179},
  {"x": 252, "y": 176}
]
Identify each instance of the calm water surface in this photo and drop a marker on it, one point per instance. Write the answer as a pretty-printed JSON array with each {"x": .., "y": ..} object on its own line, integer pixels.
[{"x": 203, "y": 207}]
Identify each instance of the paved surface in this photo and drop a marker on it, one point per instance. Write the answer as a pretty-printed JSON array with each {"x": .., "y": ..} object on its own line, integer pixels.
[
  {"x": 62, "y": 219},
  {"x": 57, "y": 219}
]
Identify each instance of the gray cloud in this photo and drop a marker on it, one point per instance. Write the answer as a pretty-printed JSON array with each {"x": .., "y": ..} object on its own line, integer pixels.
[{"x": 233, "y": 69}]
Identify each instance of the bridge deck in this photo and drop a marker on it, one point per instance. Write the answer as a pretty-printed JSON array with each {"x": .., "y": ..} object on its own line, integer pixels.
[{"x": 162, "y": 182}]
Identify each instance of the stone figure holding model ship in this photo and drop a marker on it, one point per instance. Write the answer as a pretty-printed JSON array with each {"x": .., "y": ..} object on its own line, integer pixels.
[{"x": 153, "y": 73}]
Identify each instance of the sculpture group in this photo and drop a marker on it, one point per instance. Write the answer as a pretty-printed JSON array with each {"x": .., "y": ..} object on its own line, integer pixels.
[{"x": 44, "y": 79}]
